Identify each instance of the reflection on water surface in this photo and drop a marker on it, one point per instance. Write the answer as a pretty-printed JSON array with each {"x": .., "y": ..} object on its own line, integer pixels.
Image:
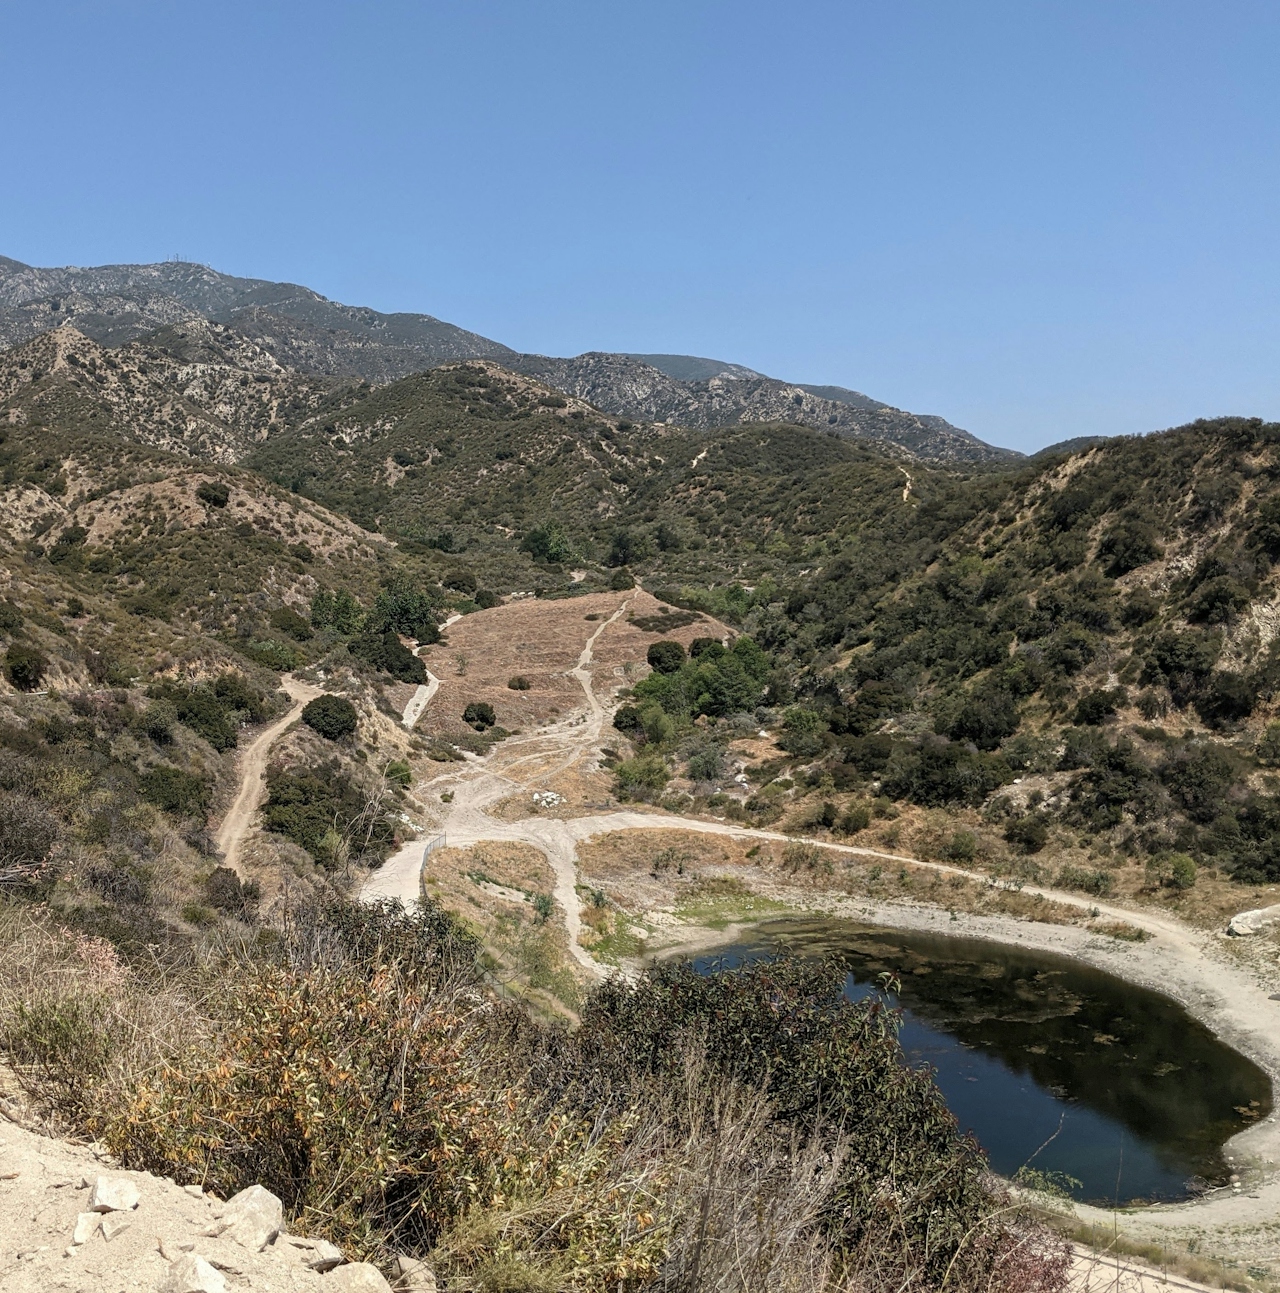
[{"x": 1133, "y": 1097}]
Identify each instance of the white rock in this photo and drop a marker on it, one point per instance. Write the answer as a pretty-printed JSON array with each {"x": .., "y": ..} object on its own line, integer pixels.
[
  {"x": 318, "y": 1254},
  {"x": 114, "y": 1194},
  {"x": 252, "y": 1218},
  {"x": 357, "y": 1277},
  {"x": 114, "y": 1223},
  {"x": 1253, "y": 922},
  {"x": 412, "y": 1276},
  {"x": 192, "y": 1274},
  {"x": 87, "y": 1224},
  {"x": 195, "y": 1191}
]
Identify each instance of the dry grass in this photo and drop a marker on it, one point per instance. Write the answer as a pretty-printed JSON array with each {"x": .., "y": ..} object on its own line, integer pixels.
[
  {"x": 541, "y": 640},
  {"x": 495, "y": 888},
  {"x": 79, "y": 1025},
  {"x": 622, "y": 865}
]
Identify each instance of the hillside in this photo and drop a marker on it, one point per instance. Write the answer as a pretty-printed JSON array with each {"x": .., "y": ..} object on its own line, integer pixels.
[
  {"x": 1090, "y": 660},
  {"x": 1044, "y": 690},
  {"x": 622, "y": 385},
  {"x": 306, "y": 332},
  {"x": 194, "y": 387}
]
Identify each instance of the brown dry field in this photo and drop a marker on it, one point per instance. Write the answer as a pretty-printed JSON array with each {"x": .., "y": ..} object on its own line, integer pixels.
[{"x": 542, "y": 641}]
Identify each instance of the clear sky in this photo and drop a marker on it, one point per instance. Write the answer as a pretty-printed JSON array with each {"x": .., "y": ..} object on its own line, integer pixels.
[{"x": 1037, "y": 219}]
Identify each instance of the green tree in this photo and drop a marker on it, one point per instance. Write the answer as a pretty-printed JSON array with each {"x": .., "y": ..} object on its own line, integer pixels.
[
  {"x": 548, "y": 542},
  {"x": 665, "y": 657},
  {"x": 332, "y": 717}
]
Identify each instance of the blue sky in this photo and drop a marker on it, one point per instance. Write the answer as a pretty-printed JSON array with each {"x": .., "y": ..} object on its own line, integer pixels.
[{"x": 1037, "y": 219}]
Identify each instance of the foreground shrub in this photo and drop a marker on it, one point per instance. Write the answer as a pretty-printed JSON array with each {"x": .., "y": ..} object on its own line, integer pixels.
[{"x": 749, "y": 1130}]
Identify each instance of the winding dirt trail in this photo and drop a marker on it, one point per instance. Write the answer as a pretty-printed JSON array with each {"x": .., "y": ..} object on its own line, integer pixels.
[{"x": 253, "y": 764}]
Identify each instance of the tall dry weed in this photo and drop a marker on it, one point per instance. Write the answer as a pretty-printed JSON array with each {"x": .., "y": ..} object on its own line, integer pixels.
[{"x": 79, "y": 1026}]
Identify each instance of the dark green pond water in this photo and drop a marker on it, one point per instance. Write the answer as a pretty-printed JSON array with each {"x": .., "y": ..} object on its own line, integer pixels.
[{"x": 1134, "y": 1097}]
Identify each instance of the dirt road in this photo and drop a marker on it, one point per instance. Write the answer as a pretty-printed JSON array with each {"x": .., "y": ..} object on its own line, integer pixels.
[{"x": 253, "y": 764}]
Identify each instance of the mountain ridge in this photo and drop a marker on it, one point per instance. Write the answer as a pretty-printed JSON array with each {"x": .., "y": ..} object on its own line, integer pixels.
[{"x": 303, "y": 330}]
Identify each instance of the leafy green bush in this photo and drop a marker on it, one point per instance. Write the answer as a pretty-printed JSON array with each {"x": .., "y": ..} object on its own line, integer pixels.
[
  {"x": 1096, "y": 706},
  {"x": 1226, "y": 698},
  {"x": 461, "y": 581},
  {"x": 936, "y": 772},
  {"x": 855, "y": 818},
  {"x": 644, "y": 777},
  {"x": 270, "y": 653},
  {"x": 287, "y": 621},
  {"x": 338, "y": 610},
  {"x": 827, "y": 1063},
  {"x": 25, "y": 666},
  {"x": 665, "y": 657},
  {"x": 322, "y": 810},
  {"x": 1182, "y": 871},
  {"x": 627, "y": 719},
  {"x": 1268, "y": 750},
  {"x": 1198, "y": 777},
  {"x": 479, "y": 714},
  {"x": 548, "y": 542},
  {"x": 1029, "y": 833},
  {"x": 226, "y": 892},
  {"x": 1098, "y": 883},
  {"x": 181, "y": 793},
  {"x": 333, "y": 717},
  {"x": 986, "y": 718},
  {"x": 1217, "y": 600},
  {"x": 961, "y": 847},
  {"x": 1128, "y": 545},
  {"x": 215, "y": 711},
  {"x": 386, "y": 653},
  {"x": 213, "y": 492},
  {"x": 399, "y": 773},
  {"x": 706, "y": 764}
]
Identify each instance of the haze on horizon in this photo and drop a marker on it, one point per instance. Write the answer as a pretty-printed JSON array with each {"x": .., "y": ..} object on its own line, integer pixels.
[{"x": 1036, "y": 221}]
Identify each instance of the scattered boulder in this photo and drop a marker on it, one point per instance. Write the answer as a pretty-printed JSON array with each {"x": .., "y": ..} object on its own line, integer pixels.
[
  {"x": 253, "y": 1218},
  {"x": 1252, "y": 922},
  {"x": 318, "y": 1254},
  {"x": 87, "y": 1224},
  {"x": 114, "y": 1194},
  {"x": 115, "y": 1223},
  {"x": 409, "y": 1275},
  {"x": 192, "y": 1274},
  {"x": 356, "y": 1277}
]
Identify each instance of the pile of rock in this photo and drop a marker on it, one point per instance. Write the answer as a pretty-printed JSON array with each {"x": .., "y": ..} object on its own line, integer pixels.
[{"x": 71, "y": 1225}]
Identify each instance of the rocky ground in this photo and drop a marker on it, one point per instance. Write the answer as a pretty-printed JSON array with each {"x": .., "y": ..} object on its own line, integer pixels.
[{"x": 72, "y": 1220}]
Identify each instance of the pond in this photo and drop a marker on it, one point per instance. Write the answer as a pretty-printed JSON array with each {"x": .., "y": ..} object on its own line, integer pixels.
[{"x": 1055, "y": 1067}]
